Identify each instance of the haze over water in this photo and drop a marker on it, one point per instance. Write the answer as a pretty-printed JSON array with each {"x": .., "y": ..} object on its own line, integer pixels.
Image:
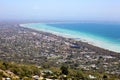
[{"x": 60, "y": 10}]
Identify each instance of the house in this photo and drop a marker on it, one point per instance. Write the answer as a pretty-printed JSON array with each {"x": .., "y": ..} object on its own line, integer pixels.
[
  {"x": 36, "y": 77},
  {"x": 92, "y": 77},
  {"x": 7, "y": 79}
]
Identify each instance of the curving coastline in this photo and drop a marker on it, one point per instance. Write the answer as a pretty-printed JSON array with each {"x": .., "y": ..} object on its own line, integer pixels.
[{"x": 84, "y": 37}]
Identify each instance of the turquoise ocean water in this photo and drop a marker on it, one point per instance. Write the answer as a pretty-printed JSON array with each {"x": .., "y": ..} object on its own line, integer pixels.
[{"x": 104, "y": 35}]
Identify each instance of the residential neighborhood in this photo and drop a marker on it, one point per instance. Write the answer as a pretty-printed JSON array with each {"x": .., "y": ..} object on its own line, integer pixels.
[{"x": 46, "y": 50}]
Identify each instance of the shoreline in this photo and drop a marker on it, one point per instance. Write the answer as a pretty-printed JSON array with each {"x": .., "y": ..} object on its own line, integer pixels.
[
  {"x": 101, "y": 43},
  {"x": 25, "y": 45}
]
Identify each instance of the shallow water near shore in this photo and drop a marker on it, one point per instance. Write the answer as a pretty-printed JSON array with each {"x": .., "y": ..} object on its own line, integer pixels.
[{"x": 103, "y": 35}]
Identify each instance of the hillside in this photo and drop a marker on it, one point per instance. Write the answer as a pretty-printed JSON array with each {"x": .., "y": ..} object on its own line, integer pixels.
[{"x": 36, "y": 51}]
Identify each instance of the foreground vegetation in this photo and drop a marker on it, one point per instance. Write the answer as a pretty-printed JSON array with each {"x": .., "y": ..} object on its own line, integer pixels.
[{"x": 16, "y": 71}]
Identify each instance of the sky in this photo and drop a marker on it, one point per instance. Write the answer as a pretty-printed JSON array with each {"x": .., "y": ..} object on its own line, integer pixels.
[{"x": 89, "y": 10}]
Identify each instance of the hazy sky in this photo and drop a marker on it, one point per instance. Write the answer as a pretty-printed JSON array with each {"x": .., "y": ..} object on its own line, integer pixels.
[{"x": 98, "y": 10}]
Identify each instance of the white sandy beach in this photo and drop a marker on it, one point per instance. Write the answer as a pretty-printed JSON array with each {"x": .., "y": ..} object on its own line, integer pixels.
[{"x": 84, "y": 37}]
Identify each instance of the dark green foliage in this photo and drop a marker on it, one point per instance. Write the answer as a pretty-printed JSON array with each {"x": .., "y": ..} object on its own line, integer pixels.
[
  {"x": 64, "y": 69},
  {"x": 105, "y": 77}
]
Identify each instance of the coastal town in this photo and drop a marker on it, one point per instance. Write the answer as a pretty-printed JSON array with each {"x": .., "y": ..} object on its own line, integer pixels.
[{"x": 46, "y": 50}]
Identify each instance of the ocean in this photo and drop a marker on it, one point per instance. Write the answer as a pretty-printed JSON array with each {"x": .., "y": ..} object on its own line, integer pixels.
[{"x": 103, "y": 35}]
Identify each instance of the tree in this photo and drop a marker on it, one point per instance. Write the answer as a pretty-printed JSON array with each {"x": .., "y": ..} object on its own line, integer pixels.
[
  {"x": 105, "y": 77},
  {"x": 64, "y": 69},
  {"x": 5, "y": 65}
]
